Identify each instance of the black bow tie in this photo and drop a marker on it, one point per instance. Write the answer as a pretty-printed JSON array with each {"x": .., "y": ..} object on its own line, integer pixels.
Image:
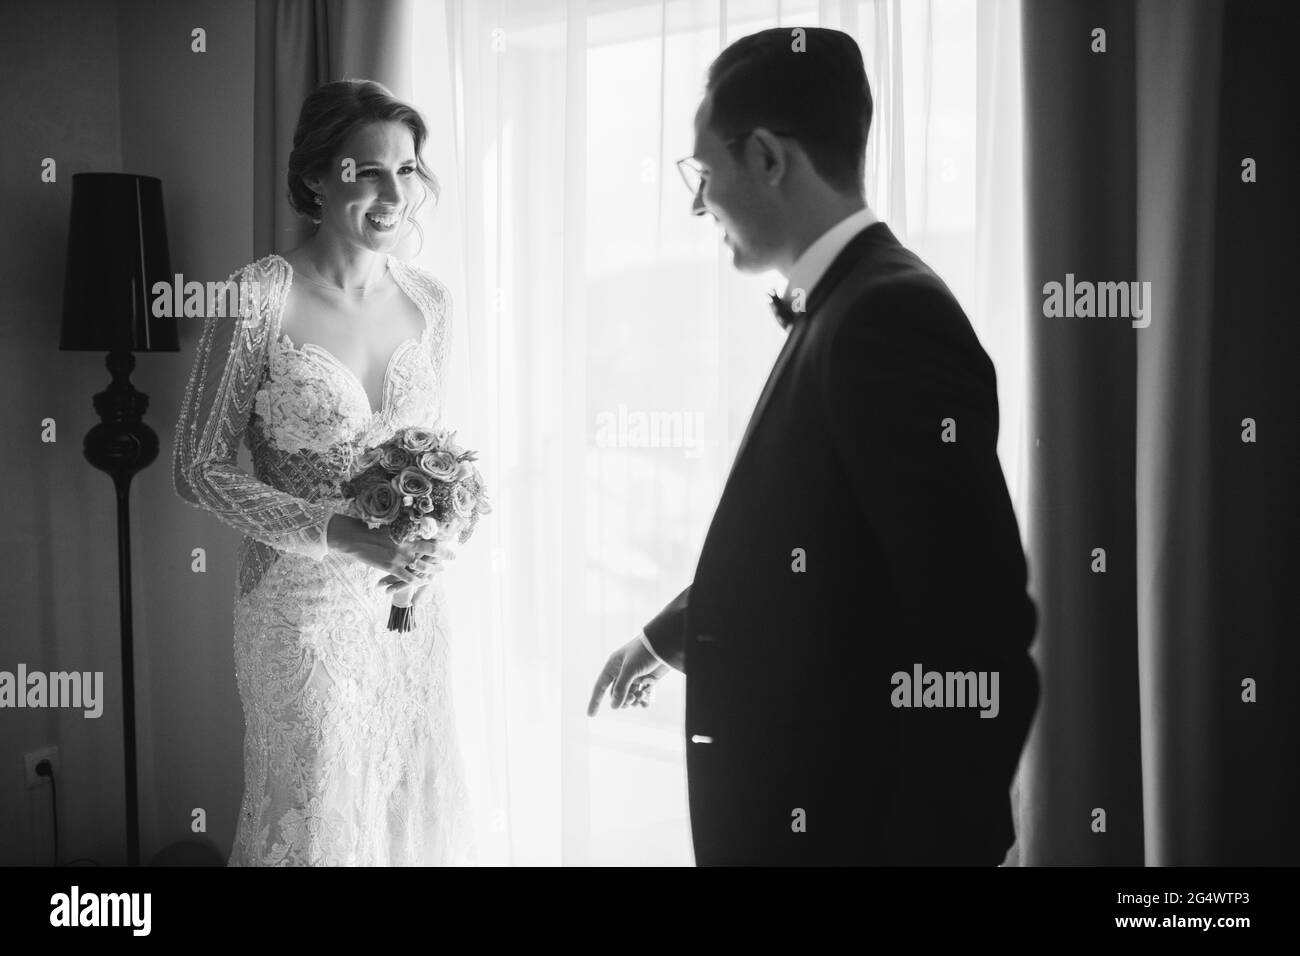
[{"x": 784, "y": 314}]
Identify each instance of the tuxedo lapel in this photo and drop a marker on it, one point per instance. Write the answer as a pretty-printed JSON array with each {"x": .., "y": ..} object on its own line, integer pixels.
[
  {"x": 842, "y": 265},
  {"x": 792, "y": 339}
]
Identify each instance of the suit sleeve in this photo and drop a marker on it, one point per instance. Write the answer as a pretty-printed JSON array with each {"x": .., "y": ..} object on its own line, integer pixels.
[
  {"x": 667, "y": 632},
  {"x": 900, "y": 366}
]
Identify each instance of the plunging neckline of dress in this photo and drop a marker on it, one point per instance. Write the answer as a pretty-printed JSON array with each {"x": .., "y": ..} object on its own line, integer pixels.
[{"x": 283, "y": 339}]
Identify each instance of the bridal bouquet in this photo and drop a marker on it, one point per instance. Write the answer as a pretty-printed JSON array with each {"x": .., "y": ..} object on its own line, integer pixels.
[{"x": 418, "y": 484}]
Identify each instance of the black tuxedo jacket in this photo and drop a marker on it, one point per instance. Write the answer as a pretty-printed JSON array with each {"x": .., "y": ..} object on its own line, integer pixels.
[{"x": 853, "y": 543}]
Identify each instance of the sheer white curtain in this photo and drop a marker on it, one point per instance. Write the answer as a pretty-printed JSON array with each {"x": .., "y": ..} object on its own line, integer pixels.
[{"x": 607, "y": 356}]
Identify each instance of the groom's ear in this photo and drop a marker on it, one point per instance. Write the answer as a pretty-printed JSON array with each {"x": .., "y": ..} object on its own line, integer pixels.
[{"x": 772, "y": 154}]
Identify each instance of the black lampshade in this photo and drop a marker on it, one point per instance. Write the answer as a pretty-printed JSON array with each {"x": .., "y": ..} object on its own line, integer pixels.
[{"x": 117, "y": 250}]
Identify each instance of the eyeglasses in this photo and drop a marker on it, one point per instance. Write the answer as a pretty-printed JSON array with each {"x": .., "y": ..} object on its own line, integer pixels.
[{"x": 693, "y": 173}]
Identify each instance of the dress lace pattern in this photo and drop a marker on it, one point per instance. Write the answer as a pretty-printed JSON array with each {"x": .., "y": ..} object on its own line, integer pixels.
[{"x": 350, "y": 752}]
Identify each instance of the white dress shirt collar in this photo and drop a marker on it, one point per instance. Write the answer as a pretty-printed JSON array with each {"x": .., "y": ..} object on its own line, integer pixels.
[{"x": 817, "y": 258}]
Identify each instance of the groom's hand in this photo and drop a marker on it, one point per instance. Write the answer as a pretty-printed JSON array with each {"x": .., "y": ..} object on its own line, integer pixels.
[{"x": 630, "y": 675}]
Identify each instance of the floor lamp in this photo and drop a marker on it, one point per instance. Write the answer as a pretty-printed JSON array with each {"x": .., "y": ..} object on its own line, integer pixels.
[{"x": 117, "y": 250}]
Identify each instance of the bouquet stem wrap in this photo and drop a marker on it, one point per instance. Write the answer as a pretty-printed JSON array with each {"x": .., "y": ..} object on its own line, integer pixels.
[{"x": 401, "y": 616}]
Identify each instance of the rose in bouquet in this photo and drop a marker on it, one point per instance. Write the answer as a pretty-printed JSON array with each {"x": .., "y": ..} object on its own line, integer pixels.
[{"x": 418, "y": 484}]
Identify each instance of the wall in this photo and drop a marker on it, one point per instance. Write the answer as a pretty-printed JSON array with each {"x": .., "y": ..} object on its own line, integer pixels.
[{"x": 115, "y": 87}]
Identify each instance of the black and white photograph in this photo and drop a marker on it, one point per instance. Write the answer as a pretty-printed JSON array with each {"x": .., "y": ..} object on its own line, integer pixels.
[{"x": 650, "y": 434}]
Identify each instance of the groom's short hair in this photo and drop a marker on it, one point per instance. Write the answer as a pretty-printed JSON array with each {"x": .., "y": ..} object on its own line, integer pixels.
[{"x": 807, "y": 82}]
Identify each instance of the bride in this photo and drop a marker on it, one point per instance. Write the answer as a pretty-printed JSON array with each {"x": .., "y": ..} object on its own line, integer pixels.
[{"x": 350, "y": 753}]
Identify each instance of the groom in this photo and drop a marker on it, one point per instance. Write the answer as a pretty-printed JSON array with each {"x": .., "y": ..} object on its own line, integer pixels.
[{"x": 855, "y": 639}]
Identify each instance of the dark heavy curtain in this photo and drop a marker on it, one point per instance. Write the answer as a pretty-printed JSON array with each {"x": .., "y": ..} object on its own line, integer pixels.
[
  {"x": 300, "y": 45},
  {"x": 1134, "y": 172}
]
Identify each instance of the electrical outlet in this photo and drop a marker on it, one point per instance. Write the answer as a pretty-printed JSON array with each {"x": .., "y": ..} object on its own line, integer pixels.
[{"x": 36, "y": 756}]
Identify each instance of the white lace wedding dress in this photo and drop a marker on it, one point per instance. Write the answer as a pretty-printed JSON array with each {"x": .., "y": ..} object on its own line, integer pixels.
[{"x": 350, "y": 751}]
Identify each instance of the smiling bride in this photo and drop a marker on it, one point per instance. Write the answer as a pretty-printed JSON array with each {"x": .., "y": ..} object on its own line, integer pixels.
[{"x": 350, "y": 750}]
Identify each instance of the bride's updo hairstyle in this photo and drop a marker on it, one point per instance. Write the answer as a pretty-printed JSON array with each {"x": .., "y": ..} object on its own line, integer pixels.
[{"x": 329, "y": 115}]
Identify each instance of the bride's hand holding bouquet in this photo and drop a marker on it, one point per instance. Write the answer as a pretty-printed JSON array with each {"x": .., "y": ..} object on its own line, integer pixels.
[{"x": 422, "y": 492}]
